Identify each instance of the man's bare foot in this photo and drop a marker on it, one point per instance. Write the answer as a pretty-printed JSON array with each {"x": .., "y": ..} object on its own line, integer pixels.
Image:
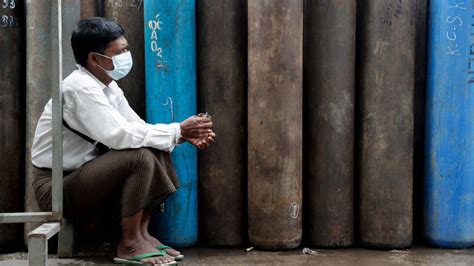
[
  {"x": 155, "y": 242},
  {"x": 127, "y": 249}
]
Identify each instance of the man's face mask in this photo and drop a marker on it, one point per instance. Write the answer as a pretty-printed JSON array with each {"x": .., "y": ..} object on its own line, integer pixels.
[{"x": 122, "y": 65}]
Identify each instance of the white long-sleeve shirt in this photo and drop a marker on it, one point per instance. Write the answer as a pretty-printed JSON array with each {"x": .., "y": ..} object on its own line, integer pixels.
[{"x": 102, "y": 113}]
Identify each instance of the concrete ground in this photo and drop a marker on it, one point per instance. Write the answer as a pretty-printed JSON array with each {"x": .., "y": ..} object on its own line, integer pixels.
[{"x": 353, "y": 256}]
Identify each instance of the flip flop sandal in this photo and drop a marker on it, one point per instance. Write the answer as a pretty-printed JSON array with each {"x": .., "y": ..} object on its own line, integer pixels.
[
  {"x": 136, "y": 260},
  {"x": 164, "y": 247}
]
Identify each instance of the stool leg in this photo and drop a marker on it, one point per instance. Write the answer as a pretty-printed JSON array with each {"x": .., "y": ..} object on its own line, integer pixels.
[
  {"x": 66, "y": 240},
  {"x": 38, "y": 243},
  {"x": 37, "y": 250}
]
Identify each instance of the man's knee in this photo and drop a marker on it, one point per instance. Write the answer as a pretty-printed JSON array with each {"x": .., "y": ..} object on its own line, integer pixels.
[
  {"x": 135, "y": 159},
  {"x": 145, "y": 158}
]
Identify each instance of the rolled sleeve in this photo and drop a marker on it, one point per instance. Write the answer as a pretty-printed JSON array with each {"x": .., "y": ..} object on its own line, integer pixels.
[{"x": 177, "y": 132}]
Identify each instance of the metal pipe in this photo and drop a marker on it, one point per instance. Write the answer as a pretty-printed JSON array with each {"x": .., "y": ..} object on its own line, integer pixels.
[
  {"x": 57, "y": 76},
  {"x": 25, "y": 217}
]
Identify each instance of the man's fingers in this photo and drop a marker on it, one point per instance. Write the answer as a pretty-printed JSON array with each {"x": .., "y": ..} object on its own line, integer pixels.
[
  {"x": 198, "y": 134},
  {"x": 200, "y": 137},
  {"x": 203, "y": 145},
  {"x": 194, "y": 122},
  {"x": 201, "y": 119},
  {"x": 210, "y": 139},
  {"x": 204, "y": 124},
  {"x": 205, "y": 131},
  {"x": 196, "y": 129}
]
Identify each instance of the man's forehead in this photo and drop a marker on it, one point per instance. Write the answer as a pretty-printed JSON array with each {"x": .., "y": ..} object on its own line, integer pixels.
[{"x": 119, "y": 43}]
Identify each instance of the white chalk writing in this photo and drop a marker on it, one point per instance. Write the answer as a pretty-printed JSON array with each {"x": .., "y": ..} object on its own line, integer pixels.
[
  {"x": 455, "y": 22},
  {"x": 8, "y": 4},
  {"x": 169, "y": 101},
  {"x": 451, "y": 35},
  {"x": 459, "y": 5},
  {"x": 294, "y": 210},
  {"x": 9, "y": 22},
  {"x": 452, "y": 52},
  {"x": 137, "y": 4},
  {"x": 155, "y": 26},
  {"x": 115, "y": 4}
]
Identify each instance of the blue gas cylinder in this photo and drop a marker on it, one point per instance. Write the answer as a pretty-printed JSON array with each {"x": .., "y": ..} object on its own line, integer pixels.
[
  {"x": 449, "y": 154},
  {"x": 170, "y": 61}
]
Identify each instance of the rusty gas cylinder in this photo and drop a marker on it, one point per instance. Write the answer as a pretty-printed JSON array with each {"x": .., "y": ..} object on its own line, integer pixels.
[{"x": 275, "y": 69}]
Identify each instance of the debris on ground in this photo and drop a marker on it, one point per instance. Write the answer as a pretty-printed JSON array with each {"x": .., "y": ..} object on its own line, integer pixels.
[{"x": 309, "y": 251}]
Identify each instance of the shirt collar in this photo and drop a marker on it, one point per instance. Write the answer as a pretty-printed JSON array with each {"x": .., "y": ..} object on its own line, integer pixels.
[{"x": 102, "y": 85}]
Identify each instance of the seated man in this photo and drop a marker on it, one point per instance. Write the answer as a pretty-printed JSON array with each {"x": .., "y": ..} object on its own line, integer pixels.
[{"x": 135, "y": 167}]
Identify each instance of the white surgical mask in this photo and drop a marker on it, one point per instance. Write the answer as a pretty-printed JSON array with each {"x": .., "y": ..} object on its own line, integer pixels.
[{"x": 122, "y": 65}]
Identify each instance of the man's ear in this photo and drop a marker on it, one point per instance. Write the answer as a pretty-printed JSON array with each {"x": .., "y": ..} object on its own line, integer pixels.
[{"x": 92, "y": 59}]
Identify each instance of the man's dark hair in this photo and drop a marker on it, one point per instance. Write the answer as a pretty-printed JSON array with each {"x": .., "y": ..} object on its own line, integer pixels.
[{"x": 93, "y": 35}]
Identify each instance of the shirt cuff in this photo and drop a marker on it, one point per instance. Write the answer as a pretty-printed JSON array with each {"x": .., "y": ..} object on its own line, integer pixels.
[{"x": 177, "y": 132}]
